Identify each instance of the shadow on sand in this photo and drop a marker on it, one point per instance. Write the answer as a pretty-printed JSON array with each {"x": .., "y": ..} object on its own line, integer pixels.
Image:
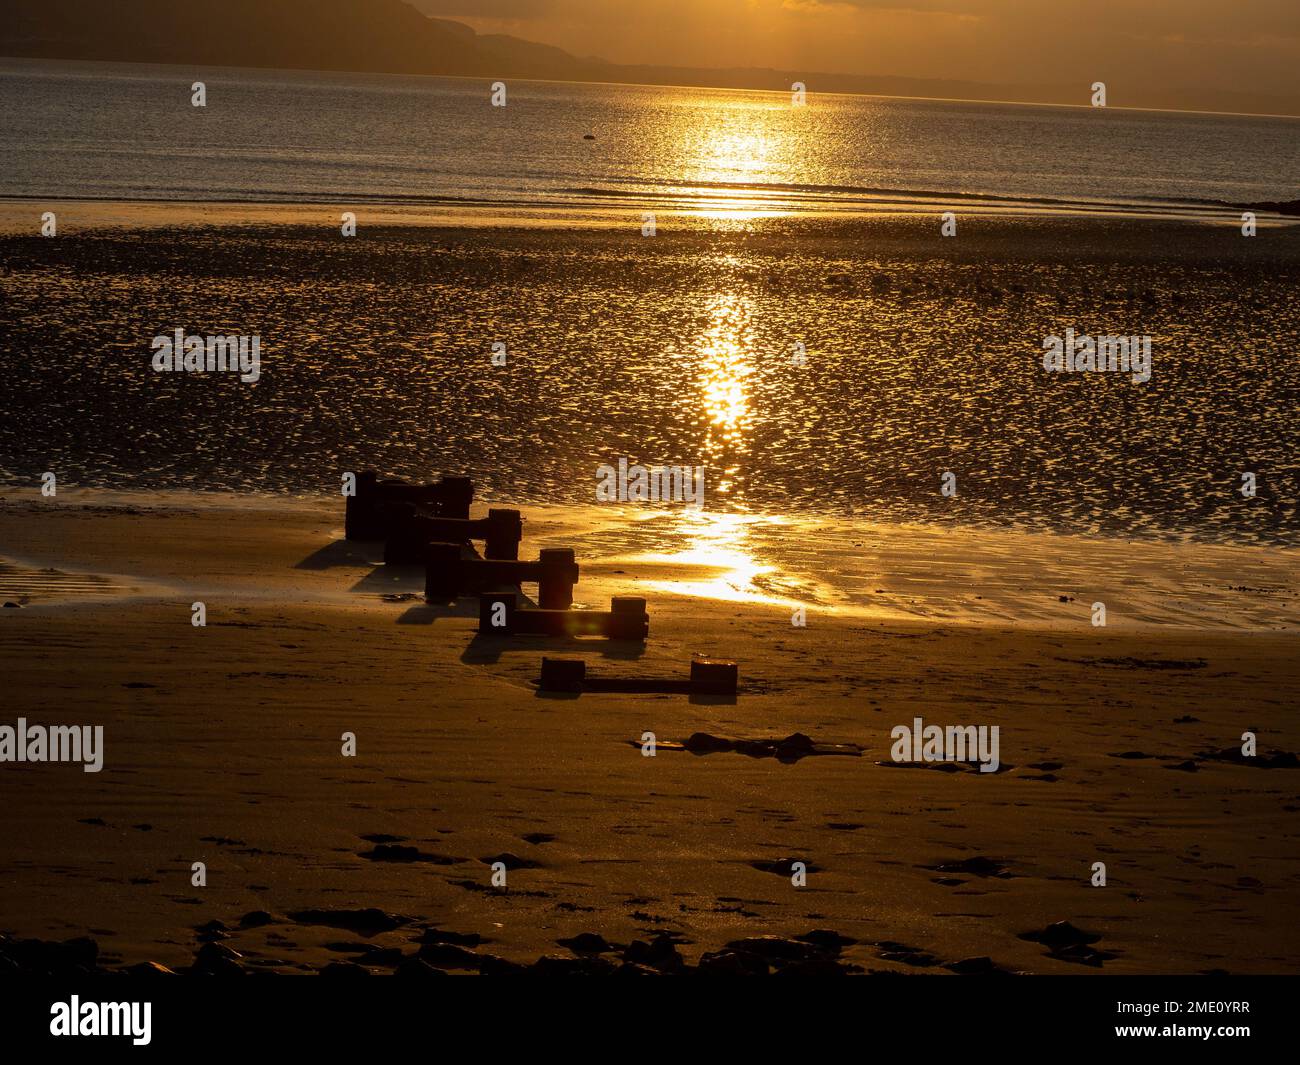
[
  {"x": 486, "y": 650},
  {"x": 344, "y": 553}
]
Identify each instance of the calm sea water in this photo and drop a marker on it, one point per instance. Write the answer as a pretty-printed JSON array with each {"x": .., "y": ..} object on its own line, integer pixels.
[
  {"x": 923, "y": 356},
  {"x": 129, "y": 132}
]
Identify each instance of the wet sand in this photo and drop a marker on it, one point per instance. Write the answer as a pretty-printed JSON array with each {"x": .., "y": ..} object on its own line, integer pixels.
[
  {"x": 923, "y": 355},
  {"x": 222, "y": 745}
]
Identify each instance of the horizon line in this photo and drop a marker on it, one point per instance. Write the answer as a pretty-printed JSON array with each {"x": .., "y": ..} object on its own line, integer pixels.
[{"x": 669, "y": 85}]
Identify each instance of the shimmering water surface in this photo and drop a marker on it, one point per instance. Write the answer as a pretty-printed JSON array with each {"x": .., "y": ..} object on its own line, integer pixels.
[
  {"x": 377, "y": 351},
  {"x": 120, "y": 131},
  {"x": 923, "y": 355}
]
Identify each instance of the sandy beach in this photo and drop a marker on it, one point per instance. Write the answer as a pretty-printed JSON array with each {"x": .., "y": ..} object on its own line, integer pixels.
[
  {"x": 712, "y": 488},
  {"x": 223, "y": 745}
]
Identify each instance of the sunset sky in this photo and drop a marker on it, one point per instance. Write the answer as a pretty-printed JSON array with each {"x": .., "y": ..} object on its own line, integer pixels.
[{"x": 1245, "y": 44}]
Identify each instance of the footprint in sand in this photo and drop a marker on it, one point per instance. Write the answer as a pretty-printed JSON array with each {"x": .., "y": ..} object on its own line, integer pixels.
[
  {"x": 538, "y": 837},
  {"x": 785, "y": 866},
  {"x": 511, "y": 861},
  {"x": 390, "y": 852}
]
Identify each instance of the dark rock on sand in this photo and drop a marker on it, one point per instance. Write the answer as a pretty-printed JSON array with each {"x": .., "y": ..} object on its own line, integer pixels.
[
  {"x": 976, "y": 866},
  {"x": 256, "y": 919},
  {"x": 39, "y": 957},
  {"x": 214, "y": 959},
  {"x": 659, "y": 953},
  {"x": 703, "y": 743},
  {"x": 1061, "y": 934},
  {"x": 586, "y": 943},
  {"x": 788, "y": 749},
  {"x": 212, "y": 931},
  {"x": 941, "y": 767},
  {"x": 1262, "y": 760},
  {"x": 1065, "y": 942}
]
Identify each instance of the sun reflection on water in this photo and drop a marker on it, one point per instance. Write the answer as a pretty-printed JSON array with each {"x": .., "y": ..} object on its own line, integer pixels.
[
  {"x": 726, "y": 365},
  {"x": 726, "y": 157},
  {"x": 717, "y": 559}
]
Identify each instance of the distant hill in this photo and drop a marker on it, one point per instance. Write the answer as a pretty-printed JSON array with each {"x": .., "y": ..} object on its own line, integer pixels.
[{"x": 390, "y": 36}]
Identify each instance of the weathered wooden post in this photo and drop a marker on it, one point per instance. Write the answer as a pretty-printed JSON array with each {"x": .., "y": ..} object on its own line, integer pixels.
[
  {"x": 558, "y": 574},
  {"x": 709, "y": 676},
  {"x": 359, "y": 518},
  {"x": 366, "y": 514},
  {"x": 411, "y": 530},
  {"x": 628, "y": 618},
  {"x": 625, "y": 620},
  {"x": 441, "y": 572},
  {"x": 713, "y": 676},
  {"x": 448, "y": 573},
  {"x": 563, "y": 674},
  {"x": 501, "y": 536}
]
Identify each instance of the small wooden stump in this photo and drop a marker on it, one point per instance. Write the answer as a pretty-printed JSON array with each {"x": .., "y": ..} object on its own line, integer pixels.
[
  {"x": 713, "y": 676},
  {"x": 709, "y": 676},
  {"x": 563, "y": 674}
]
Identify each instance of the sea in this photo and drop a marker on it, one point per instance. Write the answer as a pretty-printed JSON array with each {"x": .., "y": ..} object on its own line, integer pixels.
[
  {"x": 131, "y": 132},
  {"x": 621, "y": 348}
]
